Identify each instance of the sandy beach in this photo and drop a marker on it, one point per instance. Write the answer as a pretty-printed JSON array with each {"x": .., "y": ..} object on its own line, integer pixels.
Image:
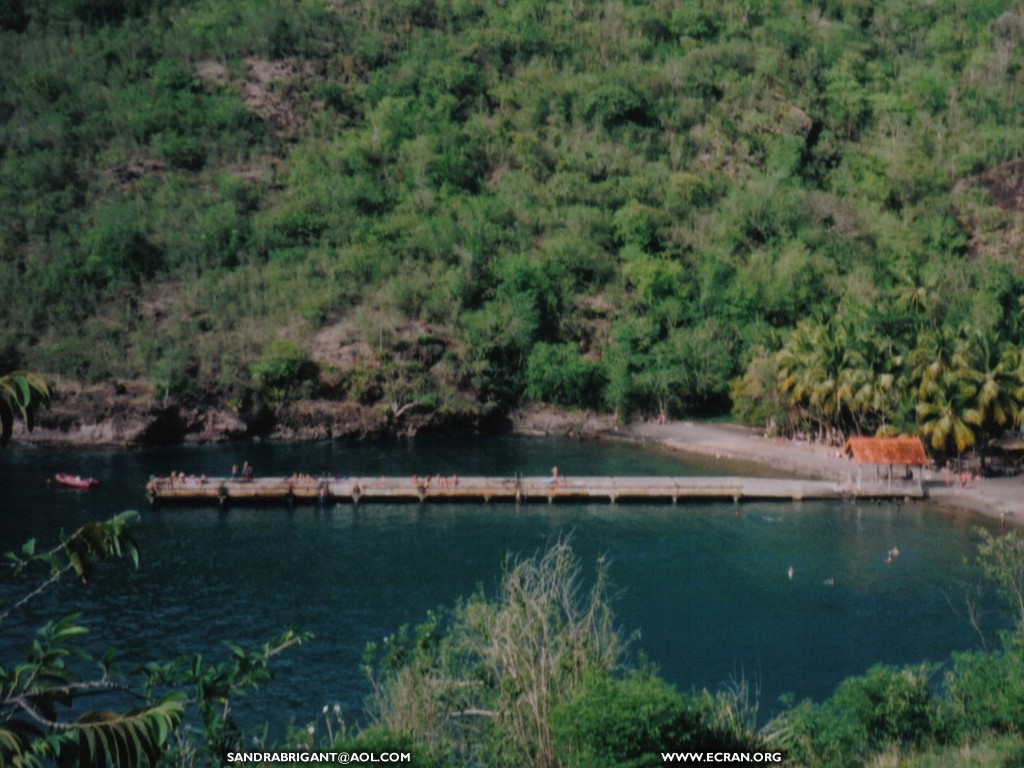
[{"x": 744, "y": 450}]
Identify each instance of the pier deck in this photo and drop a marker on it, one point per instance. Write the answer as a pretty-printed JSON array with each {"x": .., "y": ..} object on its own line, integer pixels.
[{"x": 358, "y": 490}]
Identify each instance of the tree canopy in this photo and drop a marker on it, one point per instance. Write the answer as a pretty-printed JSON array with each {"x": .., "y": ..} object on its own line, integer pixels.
[{"x": 654, "y": 198}]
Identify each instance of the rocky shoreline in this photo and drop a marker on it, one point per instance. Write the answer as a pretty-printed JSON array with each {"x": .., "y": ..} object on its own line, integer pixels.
[{"x": 126, "y": 414}]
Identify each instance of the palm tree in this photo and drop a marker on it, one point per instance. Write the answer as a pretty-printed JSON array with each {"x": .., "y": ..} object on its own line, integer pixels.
[
  {"x": 946, "y": 414},
  {"x": 916, "y": 298},
  {"x": 868, "y": 390},
  {"x": 933, "y": 356},
  {"x": 995, "y": 370},
  {"x": 797, "y": 379},
  {"x": 21, "y": 394},
  {"x": 816, "y": 369}
]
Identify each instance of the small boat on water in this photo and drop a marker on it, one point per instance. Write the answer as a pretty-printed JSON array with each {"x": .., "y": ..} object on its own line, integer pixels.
[{"x": 76, "y": 481}]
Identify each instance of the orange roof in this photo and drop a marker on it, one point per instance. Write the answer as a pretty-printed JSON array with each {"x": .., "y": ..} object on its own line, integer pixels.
[{"x": 905, "y": 451}]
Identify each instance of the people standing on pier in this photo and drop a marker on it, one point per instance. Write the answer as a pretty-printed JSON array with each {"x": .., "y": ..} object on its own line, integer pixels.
[{"x": 234, "y": 471}]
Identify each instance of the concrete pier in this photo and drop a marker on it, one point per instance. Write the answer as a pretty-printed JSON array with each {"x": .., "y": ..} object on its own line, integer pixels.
[{"x": 364, "y": 490}]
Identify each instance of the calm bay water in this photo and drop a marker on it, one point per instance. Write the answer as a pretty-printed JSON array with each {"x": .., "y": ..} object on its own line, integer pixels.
[{"x": 708, "y": 590}]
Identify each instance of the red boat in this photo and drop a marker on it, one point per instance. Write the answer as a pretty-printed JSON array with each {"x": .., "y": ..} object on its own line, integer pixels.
[{"x": 76, "y": 481}]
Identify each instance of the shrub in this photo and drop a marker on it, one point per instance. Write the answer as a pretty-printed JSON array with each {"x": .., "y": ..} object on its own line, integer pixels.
[
  {"x": 818, "y": 735},
  {"x": 626, "y": 722},
  {"x": 475, "y": 685},
  {"x": 283, "y": 364},
  {"x": 691, "y": 20},
  {"x": 613, "y": 105},
  {"x": 117, "y": 251},
  {"x": 890, "y": 706},
  {"x": 983, "y": 695},
  {"x": 558, "y": 373}
]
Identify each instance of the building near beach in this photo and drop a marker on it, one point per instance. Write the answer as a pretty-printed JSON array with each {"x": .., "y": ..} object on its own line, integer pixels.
[{"x": 906, "y": 452}]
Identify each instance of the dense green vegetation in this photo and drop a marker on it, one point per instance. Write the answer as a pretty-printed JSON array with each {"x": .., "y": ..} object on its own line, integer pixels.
[{"x": 459, "y": 205}]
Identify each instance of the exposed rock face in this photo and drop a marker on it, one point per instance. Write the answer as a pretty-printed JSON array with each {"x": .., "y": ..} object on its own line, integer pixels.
[
  {"x": 327, "y": 420},
  {"x": 105, "y": 414},
  {"x": 552, "y": 421},
  {"x": 213, "y": 425},
  {"x": 124, "y": 414}
]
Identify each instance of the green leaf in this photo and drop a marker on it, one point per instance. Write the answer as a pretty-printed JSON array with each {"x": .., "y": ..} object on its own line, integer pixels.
[{"x": 236, "y": 650}]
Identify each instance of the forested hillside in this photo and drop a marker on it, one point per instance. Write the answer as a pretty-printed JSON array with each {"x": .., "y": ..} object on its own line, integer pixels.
[{"x": 809, "y": 211}]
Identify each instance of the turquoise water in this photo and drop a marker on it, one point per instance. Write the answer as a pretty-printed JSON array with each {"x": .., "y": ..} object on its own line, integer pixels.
[{"x": 707, "y": 589}]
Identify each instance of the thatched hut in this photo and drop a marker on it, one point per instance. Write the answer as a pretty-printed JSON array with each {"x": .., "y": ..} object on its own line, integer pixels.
[{"x": 888, "y": 452}]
